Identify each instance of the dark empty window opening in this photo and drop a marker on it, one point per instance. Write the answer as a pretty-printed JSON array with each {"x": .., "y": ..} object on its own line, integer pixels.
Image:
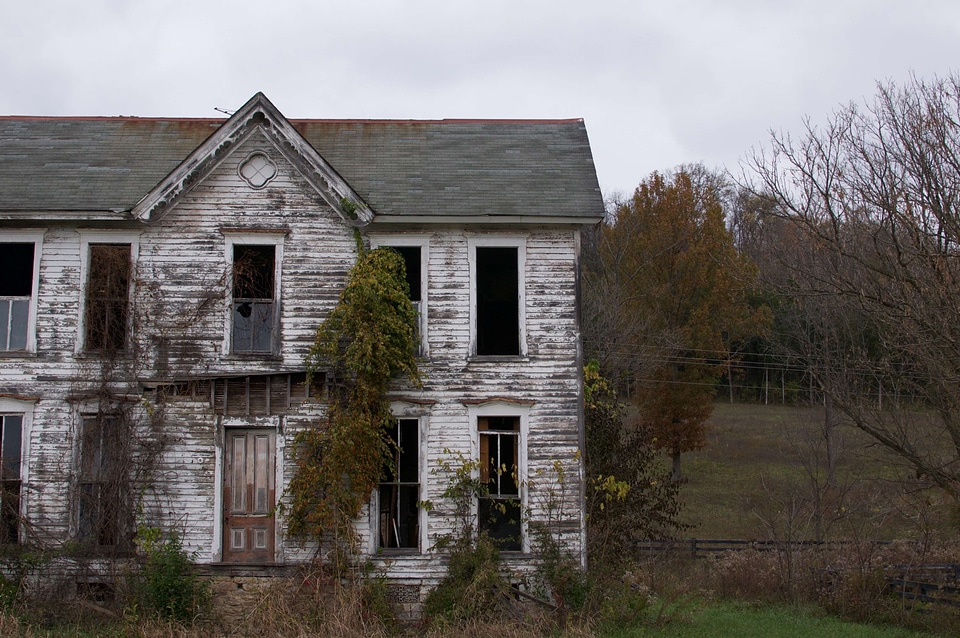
[
  {"x": 411, "y": 259},
  {"x": 399, "y": 519},
  {"x": 11, "y": 437},
  {"x": 107, "y": 303},
  {"x": 499, "y": 509},
  {"x": 103, "y": 501},
  {"x": 498, "y": 301},
  {"x": 16, "y": 288},
  {"x": 254, "y": 311}
]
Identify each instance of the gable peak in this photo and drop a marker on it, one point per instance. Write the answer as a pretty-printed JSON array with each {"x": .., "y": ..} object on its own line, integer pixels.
[{"x": 258, "y": 113}]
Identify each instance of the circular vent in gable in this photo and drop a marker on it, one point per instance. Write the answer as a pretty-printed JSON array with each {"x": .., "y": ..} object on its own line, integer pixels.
[{"x": 257, "y": 170}]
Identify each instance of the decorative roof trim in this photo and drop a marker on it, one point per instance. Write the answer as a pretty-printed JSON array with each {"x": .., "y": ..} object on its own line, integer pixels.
[
  {"x": 411, "y": 400},
  {"x": 258, "y": 114},
  {"x": 508, "y": 400},
  {"x": 19, "y": 397}
]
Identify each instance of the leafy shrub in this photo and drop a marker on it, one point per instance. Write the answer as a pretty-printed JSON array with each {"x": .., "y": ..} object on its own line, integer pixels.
[
  {"x": 167, "y": 583},
  {"x": 474, "y": 588},
  {"x": 9, "y": 590},
  {"x": 628, "y": 495},
  {"x": 559, "y": 571},
  {"x": 17, "y": 564},
  {"x": 619, "y": 602}
]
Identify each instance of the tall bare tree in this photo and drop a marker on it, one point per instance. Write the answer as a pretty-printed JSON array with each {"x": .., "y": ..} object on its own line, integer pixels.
[{"x": 873, "y": 249}]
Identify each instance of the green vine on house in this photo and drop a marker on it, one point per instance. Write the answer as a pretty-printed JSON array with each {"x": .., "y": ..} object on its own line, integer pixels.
[{"x": 368, "y": 340}]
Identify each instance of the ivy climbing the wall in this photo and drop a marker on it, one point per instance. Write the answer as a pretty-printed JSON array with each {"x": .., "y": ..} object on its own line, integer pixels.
[{"x": 368, "y": 340}]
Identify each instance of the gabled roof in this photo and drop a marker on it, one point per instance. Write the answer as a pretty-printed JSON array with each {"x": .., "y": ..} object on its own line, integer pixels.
[
  {"x": 417, "y": 169},
  {"x": 257, "y": 115}
]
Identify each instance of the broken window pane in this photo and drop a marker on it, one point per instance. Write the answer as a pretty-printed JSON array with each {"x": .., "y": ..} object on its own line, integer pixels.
[
  {"x": 108, "y": 285},
  {"x": 400, "y": 489},
  {"x": 16, "y": 288},
  {"x": 11, "y": 435},
  {"x": 498, "y": 301},
  {"x": 499, "y": 510},
  {"x": 254, "y": 316}
]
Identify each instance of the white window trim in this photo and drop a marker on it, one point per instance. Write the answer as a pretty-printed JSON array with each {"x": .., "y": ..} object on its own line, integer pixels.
[
  {"x": 19, "y": 407},
  {"x": 26, "y": 236},
  {"x": 239, "y": 238},
  {"x": 423, "y": 241},
  {"x": 100, "y": 236},
  {"x": 499, "y": 241},
  {"x": 403, "y": 410},
  {"x": 507, "y": 409}
]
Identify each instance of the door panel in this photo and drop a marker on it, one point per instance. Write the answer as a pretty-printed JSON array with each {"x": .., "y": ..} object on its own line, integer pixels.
[{"x": 249, "y": 495}]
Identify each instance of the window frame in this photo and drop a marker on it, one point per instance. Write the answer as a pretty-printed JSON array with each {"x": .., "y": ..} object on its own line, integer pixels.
[
  {"x": 418, "y": 445},
  {"x": 268, "y": 238},
  {"x": 99, "y": 236},
  {"x": 499, "y": 241},
  {"x": 23, "y": 409},
  {"x": 27, "y": 236},
  {"x": 403, "y": 410},
  {"x": 423, "y": 242},
  {"x": 122, "y": 523},
  {"x": 521, "y": 412}
]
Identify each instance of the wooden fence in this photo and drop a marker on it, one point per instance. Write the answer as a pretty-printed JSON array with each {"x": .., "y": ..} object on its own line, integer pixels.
[
  {"x": 931, "y": 584},
  {"x": 701, "y": 548}
]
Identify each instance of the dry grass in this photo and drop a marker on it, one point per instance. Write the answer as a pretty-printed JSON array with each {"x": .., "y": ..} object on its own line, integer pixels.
[{"x": 764, "y": 467}]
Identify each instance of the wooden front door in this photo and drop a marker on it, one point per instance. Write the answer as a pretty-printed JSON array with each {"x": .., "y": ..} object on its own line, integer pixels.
[{"x": 249, "y": 496}]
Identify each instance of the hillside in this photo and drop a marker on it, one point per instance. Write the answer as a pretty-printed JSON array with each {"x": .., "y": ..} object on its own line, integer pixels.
[{"x": 762, "y": 475}]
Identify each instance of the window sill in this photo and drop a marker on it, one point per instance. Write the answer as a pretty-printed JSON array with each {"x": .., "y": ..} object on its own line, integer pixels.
[
  {"x": 252, "y": 356},
  {"x": 498, "y": 358},
  {"x": 114, "y": 355},
  {"x": 17, "y": 354},
  {"x": 398, "y": 552}
]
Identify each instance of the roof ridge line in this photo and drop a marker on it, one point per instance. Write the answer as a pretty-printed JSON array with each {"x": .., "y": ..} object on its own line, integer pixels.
[{"x": 151, "y": 118}]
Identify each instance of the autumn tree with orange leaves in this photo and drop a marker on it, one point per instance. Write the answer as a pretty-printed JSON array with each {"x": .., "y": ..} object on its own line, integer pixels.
[{"x": 666, "y": 299}]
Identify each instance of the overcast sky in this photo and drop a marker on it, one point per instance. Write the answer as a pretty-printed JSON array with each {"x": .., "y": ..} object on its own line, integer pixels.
[{"x": 658, "y": 83}]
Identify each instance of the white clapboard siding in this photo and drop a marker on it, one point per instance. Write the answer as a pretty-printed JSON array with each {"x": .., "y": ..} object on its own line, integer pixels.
[{"x": 179, "y": 315}]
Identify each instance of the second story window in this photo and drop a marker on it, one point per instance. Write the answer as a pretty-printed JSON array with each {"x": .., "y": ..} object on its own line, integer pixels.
[
  {"x": 411, "y": 259},
  {"x": 497, "y": 290},
  {"x": 414, "y": 249},
  {"x": 107, "y": 304},
  {"x": 16, "y": 290},
  {"x": 254, "y": 290}
]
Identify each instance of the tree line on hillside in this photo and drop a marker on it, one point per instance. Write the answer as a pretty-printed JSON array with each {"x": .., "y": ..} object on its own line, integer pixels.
[{"x": 835, "y": 254}]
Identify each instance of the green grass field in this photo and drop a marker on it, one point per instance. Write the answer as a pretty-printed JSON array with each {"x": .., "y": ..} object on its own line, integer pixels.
[
  {"x": 762, "y": 475},
  {"x": 744, "y": 621}
]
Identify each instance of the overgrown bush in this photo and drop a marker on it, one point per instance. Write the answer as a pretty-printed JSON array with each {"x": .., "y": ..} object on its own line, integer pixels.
[
  {"x": 366, "y": 342},
  {"x": 560, "y": 572},
  {"x": 167, "y": 584},
  {"x": 629, "y": 496},
  {"x": 18, "y": 564},
  {"x": 618, "y": 601},
  {"x": 474, "y": 587},
  {"x": 9, "y": 591}
]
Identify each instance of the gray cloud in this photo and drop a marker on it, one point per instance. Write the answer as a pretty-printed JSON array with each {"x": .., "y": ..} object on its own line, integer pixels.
[{"x": 657, "y": 83}]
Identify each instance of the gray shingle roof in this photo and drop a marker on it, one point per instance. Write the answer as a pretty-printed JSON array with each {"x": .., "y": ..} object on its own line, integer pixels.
[{"x": 432, "y": 168}]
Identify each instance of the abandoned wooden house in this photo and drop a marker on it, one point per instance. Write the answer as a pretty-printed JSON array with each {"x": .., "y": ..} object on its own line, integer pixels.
[{"x": 147, "y": 378}]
